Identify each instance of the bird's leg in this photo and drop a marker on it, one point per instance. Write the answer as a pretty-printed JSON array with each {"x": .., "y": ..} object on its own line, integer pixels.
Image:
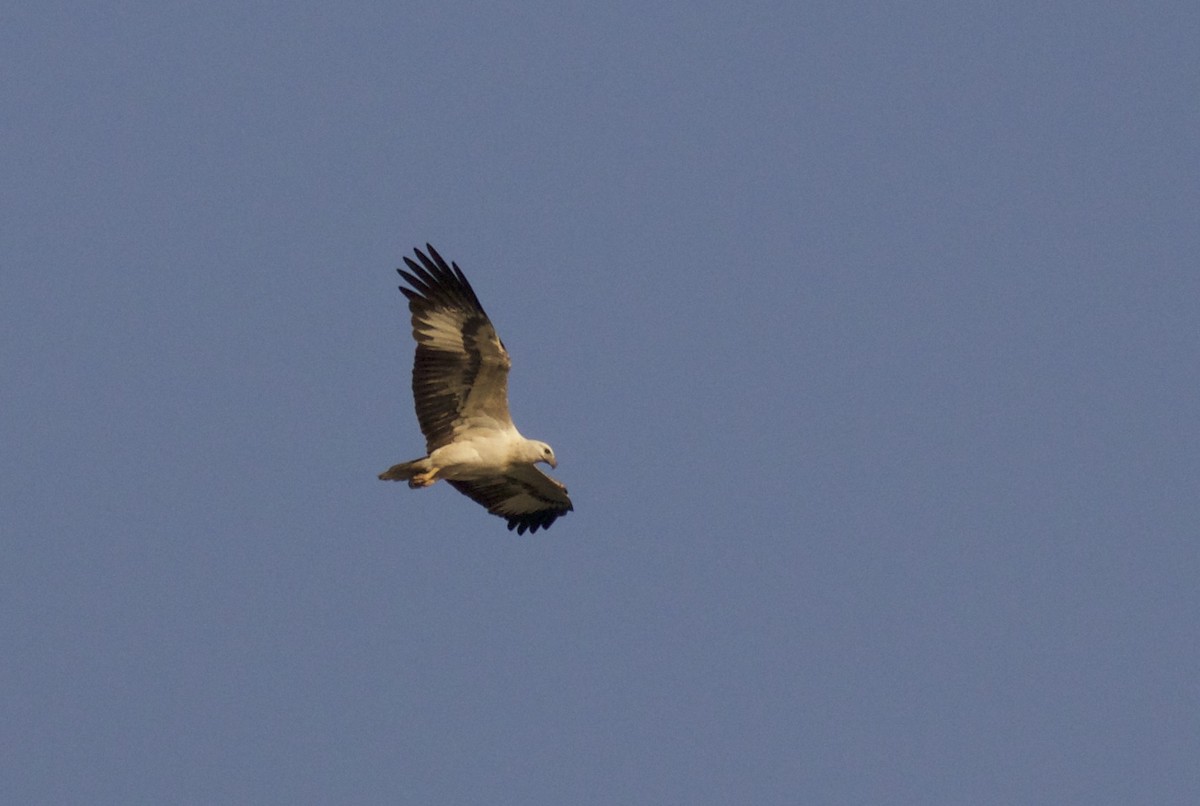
[{"x": 423, "y": 479}]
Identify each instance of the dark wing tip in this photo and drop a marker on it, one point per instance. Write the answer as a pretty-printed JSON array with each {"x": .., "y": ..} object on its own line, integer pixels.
[
  {"x": 532, "y": 521},
  {"x": 435, "y": 281}
]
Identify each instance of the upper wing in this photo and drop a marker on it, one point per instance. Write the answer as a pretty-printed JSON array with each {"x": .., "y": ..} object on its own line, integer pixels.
[
  {"x": 524, "y": 496},
  {"x": 460, "y": 375}
]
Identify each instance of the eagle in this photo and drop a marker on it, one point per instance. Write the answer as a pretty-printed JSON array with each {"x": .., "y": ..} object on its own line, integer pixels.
[{"x": 460, "y": 388}]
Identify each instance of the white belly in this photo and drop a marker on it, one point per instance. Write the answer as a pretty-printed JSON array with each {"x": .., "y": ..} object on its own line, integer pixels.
[{"x": 477, "y": 458}]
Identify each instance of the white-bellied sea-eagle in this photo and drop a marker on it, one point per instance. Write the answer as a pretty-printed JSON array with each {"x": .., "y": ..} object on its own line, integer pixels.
[{"x": 460, "y": 387}]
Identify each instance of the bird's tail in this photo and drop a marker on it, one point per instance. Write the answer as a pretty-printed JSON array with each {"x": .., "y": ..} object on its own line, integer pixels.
[{"x": 405, "y": 471}]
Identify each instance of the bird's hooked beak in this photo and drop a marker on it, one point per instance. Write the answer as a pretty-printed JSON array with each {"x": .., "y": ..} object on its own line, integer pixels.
[{"x": 551, "y": 462}]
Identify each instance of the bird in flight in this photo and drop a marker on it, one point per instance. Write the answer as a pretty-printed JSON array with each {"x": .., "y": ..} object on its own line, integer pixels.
[{"x": 460, "y": 388}]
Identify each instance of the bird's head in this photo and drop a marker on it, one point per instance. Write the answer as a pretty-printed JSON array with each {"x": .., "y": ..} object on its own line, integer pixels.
[{"x": 542, "y": 453}]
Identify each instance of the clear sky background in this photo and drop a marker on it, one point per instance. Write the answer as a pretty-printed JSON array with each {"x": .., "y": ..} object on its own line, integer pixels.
[{"x": 866, "y": 334}]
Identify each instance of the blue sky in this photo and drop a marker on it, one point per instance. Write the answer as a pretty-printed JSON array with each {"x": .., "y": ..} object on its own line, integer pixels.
[{"x": 866, "y": 336}]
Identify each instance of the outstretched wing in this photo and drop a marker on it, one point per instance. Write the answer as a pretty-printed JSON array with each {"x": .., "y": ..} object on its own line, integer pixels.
[
  {"x": 460, "y": 375},
  {"x": 524, "y": 496}
]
